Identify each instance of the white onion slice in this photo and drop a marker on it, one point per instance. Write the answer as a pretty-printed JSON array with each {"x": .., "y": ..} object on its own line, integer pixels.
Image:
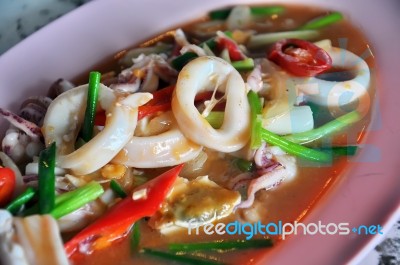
[{"x": 294, "y": 120}]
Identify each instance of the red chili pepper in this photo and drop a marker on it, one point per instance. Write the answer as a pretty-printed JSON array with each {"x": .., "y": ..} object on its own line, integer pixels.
[
  {"x": 176, "y": 51},
  {"x": 300, "y": 57},
  {"x": 148, "y": 110},
  {"x": 115, "y": 224},
  {"x": 161, "y": 102},
  {"x": 7, "y": 185},
  {"x": 161, "y": 96},
  {"x": 100, "y": 118},
  {"x": 235, "y": 54}
]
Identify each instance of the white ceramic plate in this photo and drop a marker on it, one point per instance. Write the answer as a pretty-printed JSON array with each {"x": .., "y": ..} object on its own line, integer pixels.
[{"x": 368, "y": 193}]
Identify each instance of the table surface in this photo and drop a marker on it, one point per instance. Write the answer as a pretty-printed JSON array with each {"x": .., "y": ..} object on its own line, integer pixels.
[{"x": 21, "y": 18}]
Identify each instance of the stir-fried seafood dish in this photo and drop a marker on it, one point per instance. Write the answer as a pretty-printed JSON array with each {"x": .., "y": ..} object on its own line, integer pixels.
[{"x": 245, "y": 116}]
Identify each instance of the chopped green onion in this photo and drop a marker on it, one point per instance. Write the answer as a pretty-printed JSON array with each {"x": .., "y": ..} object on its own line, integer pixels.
[
  {"x": 244, "y": 165},
  {"x": 179, "y": 62},
  {"x": 91, "y": 105},
  {"x": 244, "y": 65},
  {"x": 323, "y": 21},
  {"x": 186, "y": 259},
  {"x": 344, "y": 150},
  {"x": 293, "y": 148},
  {"x": 135, "y": 237},
  {"x": 221, "y": 245},
  {"x": 117, "y": 189},
  {"x": 325, "y": 130},
  {"x": 266, "y": 10},
  {"x": 227, "y": 33},
  {"x": 222, "y": 14},
  {"x": 22, "y": 199},
  {"x": 73, "y": 200},
  {"x": 256, "y": 123},
  {"x": 261, "y": 40},
  {"x": 340, "y": 150},
  {"x": 47, "y": 179},
  {"x": 215, "y": 119}
]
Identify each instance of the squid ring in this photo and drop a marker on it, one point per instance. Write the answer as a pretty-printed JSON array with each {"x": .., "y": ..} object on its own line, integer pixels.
[
  {"x": 338, "y": 94},
  {"x": 207, "y": 74},
  {"x": 67, "y": 109},
  {"x": 169, "y": 148}
]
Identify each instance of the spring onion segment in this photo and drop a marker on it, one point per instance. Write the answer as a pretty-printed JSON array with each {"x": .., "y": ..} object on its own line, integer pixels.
[
  {"x": 117, "y": 189},
  {"x": 293, "y": 148},
  {"x": 255, "y": 108},
  {"x": 325, "y": 130},
  {"x": 220, "y": 245},
  {"x": 244, "y": 65},
  {"x": 179, "y": 62},
  {"x": 215, "y": 119},
  {"x": 73, "y": 200},
  {"x": 91, "y": 105},
  {"x": 274, "y": 139},
  {"x": 47, "y": 179},
  {"x": 185, "y": 259},
  {"x": 264, "y": 39},
  {"x": 266, "y": 10},
  {"x": 21, "y": 200},
  {"x": 135, "y": 237},
  {"x": 244, "y": 165},
  {"x": 341, "y": 150},
  {"x": 224, "y": 13},
  {"x": 322, "y": 22}
]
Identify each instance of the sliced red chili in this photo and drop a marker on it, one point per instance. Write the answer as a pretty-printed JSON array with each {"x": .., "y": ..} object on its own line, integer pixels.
[
  {"x": 115, "y": 223},
  {"x": 7, "y": 185},
  {"x": 146, "y": 110},
  {"x": 100, "y": 118},
  {"x": 161, "y": 102},
  {"x": 300, "y": 57},
  {"x": 235, "y": 54},
  {"x": 161, "y": 96}
]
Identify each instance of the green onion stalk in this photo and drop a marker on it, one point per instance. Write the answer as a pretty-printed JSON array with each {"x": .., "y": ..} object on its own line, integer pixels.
[
  {"x": 47, "y": 179},
  {"x": 91, "y": 105}
]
